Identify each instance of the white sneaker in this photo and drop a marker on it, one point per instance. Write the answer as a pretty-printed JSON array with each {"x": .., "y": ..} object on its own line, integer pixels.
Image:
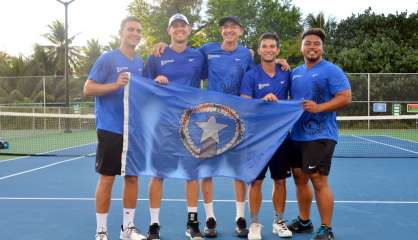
[
  {"x": 281, "y": 229},
  {"x": 255, "y": 231},
  {"x": 102, "y": 236},
  {"x": 131, "y": 233}
]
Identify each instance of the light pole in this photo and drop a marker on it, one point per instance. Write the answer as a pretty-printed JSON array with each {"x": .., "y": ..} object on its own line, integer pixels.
[{"x": 67, "y": 95}]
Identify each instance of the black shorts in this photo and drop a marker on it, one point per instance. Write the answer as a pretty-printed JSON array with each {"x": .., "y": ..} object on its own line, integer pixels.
[
  {"x": 313, "y": 156},
  {"x": 109, "y": 153},
  {"x": 279, "y": 164}
]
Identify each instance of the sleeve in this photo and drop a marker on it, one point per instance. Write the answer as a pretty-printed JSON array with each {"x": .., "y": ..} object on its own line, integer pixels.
[
  {"x": 100, "y": 69},
  {"x": 247, "y": 84},
  {"x": 251, "y": 63},
  {"x": 150, "y": 70},
  {"x": 337, "y": 80}
]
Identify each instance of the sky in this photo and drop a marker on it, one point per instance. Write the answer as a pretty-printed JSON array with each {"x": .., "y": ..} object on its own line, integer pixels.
[{"x": 22, "y": 22}]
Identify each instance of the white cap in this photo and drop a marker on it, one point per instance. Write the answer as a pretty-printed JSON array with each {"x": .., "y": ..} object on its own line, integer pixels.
[{"x": 178, "y": 16}]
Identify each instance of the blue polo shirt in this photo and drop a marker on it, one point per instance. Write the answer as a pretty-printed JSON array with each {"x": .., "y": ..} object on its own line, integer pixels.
[
  {"x": 257, "y": 83},
  {"x": 320, "y": 84},
  {"x": 225, "y": 70},
  {"x": 106, "y": 69},
  {"x": 184, "y": 68}
]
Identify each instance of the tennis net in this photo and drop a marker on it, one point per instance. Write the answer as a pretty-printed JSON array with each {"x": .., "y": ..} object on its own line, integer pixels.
[{"x": 75, "y": 135}]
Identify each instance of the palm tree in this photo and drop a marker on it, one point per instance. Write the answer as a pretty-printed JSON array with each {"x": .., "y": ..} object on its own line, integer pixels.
[
  {"x": 318, "y": 21},
  {"x": 89, "y": 55},
  {"x": 56, "y": 51}
]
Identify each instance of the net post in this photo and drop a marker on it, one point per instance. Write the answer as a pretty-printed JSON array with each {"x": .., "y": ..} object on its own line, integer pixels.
[{"x": 368, "y": 100}]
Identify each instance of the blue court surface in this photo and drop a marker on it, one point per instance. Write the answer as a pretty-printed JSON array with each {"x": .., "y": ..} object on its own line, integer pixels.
[{"x": 46, "y": 198}]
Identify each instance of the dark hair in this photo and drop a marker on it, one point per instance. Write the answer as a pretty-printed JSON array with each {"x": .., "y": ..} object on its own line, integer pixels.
[
  {"x": 128, "y": 19},
  {"x": 269, "y": 35},
  {"x": 315, "y": 31}
]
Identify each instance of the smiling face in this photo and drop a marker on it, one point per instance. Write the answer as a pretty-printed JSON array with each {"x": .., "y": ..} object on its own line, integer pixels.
[
  {"x": 268, "y": 50},
  {"x": 179, "y": 31},
  {"x": 130, "y": 34},
  {"x": 231, "y": 31},
  {"x": 312, "y": 48}
]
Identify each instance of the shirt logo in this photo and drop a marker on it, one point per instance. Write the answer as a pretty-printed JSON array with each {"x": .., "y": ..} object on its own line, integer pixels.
[
  {"x": 237, "y": 59},
  {"x": 263, "y": 85},
  {"x": 296, "y": 76},
  {"x": 315, "y": 75},
  {"x": 210, "y": 56},
  {"x": 164, "y": 62},
  {"x": 282, "y": 82},
  {"x": 120, "y": 69},
  {"x": 191, "y": 59}
]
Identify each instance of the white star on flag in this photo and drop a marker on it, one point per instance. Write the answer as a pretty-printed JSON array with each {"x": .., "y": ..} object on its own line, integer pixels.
[{"x": 211, "y": 129}]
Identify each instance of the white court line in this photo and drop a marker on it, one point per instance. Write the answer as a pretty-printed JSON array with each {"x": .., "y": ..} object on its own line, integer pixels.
[
  {"x": 41, "y": 167},
  {"x": 385, "y": 144},
  {"x": 184, "y": 200},
  {"x": 62, "y": 149}
]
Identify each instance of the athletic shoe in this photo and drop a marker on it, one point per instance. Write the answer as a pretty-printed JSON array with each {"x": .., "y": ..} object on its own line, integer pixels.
[
  {"x": 154, "y": 232},
  {"x": 241, "y": 228},
  {"x": 280, "y": 228},
  {"x": 193, "y": 232},
  {"x": 210, "y": 228},
  {"x": 102, "y": 236},
  {"x": 131, "y": 233},
  {"x": 255, "y": 231},
  {"x": 298, "y": 227},
  {"x": 324, "y": 233}
]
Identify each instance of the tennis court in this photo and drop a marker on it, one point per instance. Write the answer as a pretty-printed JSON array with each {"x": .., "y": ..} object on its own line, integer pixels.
[{"x": 50, "y": 195}]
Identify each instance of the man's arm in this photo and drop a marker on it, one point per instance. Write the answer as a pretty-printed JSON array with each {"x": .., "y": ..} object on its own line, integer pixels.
[
  {"x": 92, "y": 88},
  {"x": 339, "y": 101}
]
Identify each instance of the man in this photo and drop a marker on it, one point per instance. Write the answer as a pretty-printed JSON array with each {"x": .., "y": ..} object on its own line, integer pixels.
[
  {"x": 325, "y": 89},
  {"x": 268, "y": 82},
  {"x": 182, "y": 65},
  {"x": 227, "y": 61},
  {"x": 106, "y": 81}
]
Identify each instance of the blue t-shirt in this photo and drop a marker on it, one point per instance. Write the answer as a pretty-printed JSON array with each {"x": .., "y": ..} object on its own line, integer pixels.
[
  {"x": 320, "y": 84},
  {"x": 106, "y": 69},
  {"x": 225, "y": 70},
  {"x": 257, "y": 83},
  {"x": 184, "y": 68}
]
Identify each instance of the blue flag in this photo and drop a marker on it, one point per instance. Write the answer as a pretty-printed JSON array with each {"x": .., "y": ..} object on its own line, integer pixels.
[{"x": 175, "y": 131}]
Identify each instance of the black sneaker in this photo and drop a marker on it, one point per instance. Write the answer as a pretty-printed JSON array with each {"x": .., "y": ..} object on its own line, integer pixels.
[
  {"x": 210, "y": 228},
  {"x": 324, "y": 233},
  {"x": 193, "y": 232},
  {"x": 241, "y": 228},
  {"x": 297, "y": 226},
  {"x": 154, "y": 232}
]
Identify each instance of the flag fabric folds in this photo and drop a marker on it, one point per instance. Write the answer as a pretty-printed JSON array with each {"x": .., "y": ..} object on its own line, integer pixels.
[{"x": 175, "y": 131}]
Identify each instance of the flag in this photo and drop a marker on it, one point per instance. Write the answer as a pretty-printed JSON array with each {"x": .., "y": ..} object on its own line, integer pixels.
[{"x": 176, "y": 131}]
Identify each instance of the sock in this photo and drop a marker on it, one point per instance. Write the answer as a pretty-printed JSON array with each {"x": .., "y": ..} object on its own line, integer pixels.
[
  {"x": 192, "y": 209},
  {"x": 101, "y": 220},
  {"x": 155, "y": 215},
  {"x": 304, "y": 222},
  {"x": 192, "y": 217},
  {"x": 254, "y": 218},
  {"x": 239, "y": 207},
  {"x": 278, "y": 217},
  {"x": 209, "y": 210},
  {"x": 128, "y": 217}
]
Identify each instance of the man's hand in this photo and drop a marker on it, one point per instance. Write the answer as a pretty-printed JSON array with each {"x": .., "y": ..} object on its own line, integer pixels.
[
  {"x": 311, "y": 106},
  {"x": 270, "y": 98},
  {"x": 161, "y": 80},
  {"x": 283, "y": 63},
  {"x": 158, "y": 49},
  {"x": 123, "y": 79}
]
